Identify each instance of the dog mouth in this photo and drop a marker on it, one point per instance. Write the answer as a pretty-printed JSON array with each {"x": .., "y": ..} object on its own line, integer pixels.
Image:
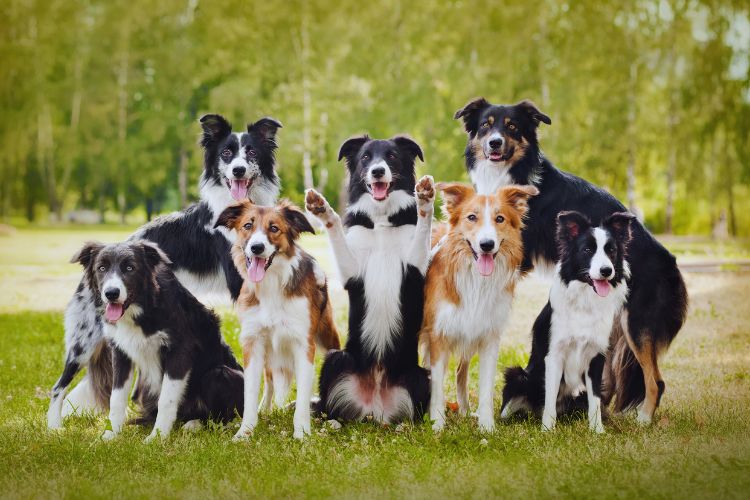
[
  {"x": 238, "y": 188},
  {"x": 484, "y": 261},
  {"x": 379, "y": 190},
  {"x": 497, "y": 155},
  {"x": 601, "y": 287},
  {"x": 114, "y": 311},
  {"x": 257, "y": 267}
]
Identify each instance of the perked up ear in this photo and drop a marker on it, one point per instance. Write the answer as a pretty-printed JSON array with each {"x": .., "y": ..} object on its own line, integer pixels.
[
  {"x": 228, "y": 218},
  {"x": 470, "y": 114},
  {"x": 87, "y": 253},
  {"x": 454, "y": 193},
  {"x": 154, "y": 255},
  {"x": 265, "y": 128},
  {"x": 296, "y": 218},
  {"x": 534, "y": 113},
  {"x": 214, "y": 127},
  {"x": 570, "y": 225},
  {"x": 408, "y": 146},
  {"x": 518, "y": 196},
  {"x": 350, "y": 147},
  {"x": 619, "y": 225}
]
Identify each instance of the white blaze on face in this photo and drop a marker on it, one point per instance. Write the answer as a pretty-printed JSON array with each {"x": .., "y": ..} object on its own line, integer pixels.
[
  {"x": 114, "y": 309},
  {"x": 239, "y": 183},
  {"x": 598, "y": 261},
  {"x": 486, "y": 258},
  {"x": 379, "y": 186},
  {"x": 257, "y": 263}
]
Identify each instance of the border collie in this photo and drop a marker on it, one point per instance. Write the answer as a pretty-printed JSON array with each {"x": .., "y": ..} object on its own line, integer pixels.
[
  {"x": 186, "y": 371},
  {"x": 571, "y": 336},
  {"x": 284, "y": 308},
  {"x": 235, "y": 166},
  {"x": 382, "y": 257},
  {"x": 503, "y": 149},
  {"x": 469, "y": 290}
]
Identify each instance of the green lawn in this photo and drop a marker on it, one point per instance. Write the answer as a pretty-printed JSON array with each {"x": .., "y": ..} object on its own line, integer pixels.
[{"x": 698, "y": 447}]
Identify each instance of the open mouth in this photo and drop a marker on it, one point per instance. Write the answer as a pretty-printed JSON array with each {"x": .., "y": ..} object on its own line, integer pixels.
[
  {"x": 601, "y": 287},
  {"x": 497, "y": 155},
  {"x": 485, "y": 262},
  {"x": 257, "y": 267},
  {"x": 238, "y": 187},
  {"x": 379, "y": 190},
  {"x": 114, "y": 311}
]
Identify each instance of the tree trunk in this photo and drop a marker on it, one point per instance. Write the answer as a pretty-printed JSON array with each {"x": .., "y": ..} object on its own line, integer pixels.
[
  {"x": 630, "y": 172},
  {"x": 122, "y": 121},
  {"x": 306, "y": 101}
]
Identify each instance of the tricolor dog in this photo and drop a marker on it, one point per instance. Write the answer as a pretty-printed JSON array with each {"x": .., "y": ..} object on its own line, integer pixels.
[
  {"x": 469, "y": 291},
  {"x": 284, "y": 309},
  {"x": 382, "y": 258}
]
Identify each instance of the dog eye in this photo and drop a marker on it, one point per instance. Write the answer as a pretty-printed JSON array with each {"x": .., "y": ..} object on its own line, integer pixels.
[
  {"x": 102, "y": 269},
  {"x": 273, "y": 229},
  {"x": 248, "y": 226},
  {"x": 226, "y": 153},
  {"x": 251, "y": 153},
  {"x": 472, "y": 217},
  {"x": 588, "y": 250},
  {"x": 129, "y": 268},
  {"x": 499, "y": 219},
  {"x": 486, "y": 125},
  {"x": 511, "y": 126},
  {"x": 391, "y": 156},
  {"x": 366, "y": 156}
]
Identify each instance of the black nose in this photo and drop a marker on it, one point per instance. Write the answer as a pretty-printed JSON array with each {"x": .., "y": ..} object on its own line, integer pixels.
[
  {"x": 496, "y": 143},
  {"x": 257, "y": 248},
  {"x": 112, "y": 293},
  {"x": 238, "y": 171},
  {"x": 605, "y": 271},
  {"x": 377, "y": 173},
  {"x": 486, "y": 245}
]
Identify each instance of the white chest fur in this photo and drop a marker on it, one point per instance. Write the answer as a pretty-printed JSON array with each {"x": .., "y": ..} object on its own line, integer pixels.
[
  {"x": 489, "y": 176},
  {"x": 144, "y": 351}
]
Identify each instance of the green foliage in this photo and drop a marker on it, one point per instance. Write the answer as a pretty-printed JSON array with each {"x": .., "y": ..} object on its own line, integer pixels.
[{"x": 100, "y": 99}]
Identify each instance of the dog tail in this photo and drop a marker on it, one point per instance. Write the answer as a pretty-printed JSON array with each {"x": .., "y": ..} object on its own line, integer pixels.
[
  {"x": 623, "y": 375},
  {"x": 100, "y": 374},
  {"x": 517, "y": 392}
]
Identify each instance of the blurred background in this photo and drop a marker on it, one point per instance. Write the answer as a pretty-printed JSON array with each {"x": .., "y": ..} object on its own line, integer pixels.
[{"x": 100, "y": 100}]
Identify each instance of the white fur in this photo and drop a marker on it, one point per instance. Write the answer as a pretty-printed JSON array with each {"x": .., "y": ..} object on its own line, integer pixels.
[
  {"x": 118, "y": 407},
  {"x": 213, "y": 283},
  {"x": 80, "y": 400},
  {"x": 387, "y": 177},
  {"x": 489, "y": 176},
  {"x": 170, "y": 397},
  {"x": 114, "y": 281},
  {"x": 600, "y": 258},
  {"x": 387, "y": 404}
]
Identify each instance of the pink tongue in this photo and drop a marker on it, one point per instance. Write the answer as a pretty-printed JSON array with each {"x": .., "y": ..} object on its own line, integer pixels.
[
  {"x": 113, "y": 312},
  {"x": 238, "y": 189},
  {"x": 601, "y": 287},
  {"x": 379, "y": 190},
  {"x": 257, "y": 269},
  {"x": 485, "y": 264}
]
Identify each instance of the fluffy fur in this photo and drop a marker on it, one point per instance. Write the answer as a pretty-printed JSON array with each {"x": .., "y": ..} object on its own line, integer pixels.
[
  {"x": 199, "y": 253},
  {"x": 382, "y": 257},
  {"x": 503, "y": 149},
  {"x": 283, "y": 307},
  {"x": 469, "y": 290}
]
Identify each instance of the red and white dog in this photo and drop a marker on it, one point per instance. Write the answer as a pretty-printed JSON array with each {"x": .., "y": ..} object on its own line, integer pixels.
[
  {"x": 283, "y": 306},
  {"x": 469, "y": 290}
]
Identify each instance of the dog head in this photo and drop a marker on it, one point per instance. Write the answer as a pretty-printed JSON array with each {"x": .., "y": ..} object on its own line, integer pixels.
[
  {"x": 593, "y": 255},
  {"x": 500, "y": 134},
  {"x": 484, "y": 227},
  {"x": 262, "y": 234},
  {"x": 378, "y": 168},
  {"x": 236, "y": 160},
  {"x": 121, "y": 274}
]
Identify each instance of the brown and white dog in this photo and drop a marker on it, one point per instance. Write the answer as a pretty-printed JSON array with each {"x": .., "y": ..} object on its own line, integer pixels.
[
  {"x": 283, "y": 307},
  {"x": 469, "y": 290}
]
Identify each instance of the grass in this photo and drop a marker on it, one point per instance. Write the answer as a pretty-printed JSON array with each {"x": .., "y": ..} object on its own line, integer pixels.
[{"x": 698, "y": 447}]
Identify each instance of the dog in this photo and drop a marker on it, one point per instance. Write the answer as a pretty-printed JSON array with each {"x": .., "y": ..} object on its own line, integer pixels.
[
  {"x": 503, "y": 149},
  {"x": 382, "y": 258},
  {"x": 571, "y": 336},
  {"x": 153, "y": 323},
  {"x": 284, "y": 308},
  {"x": 235, "y": 166},
  {"x": 469, "y": 290}
]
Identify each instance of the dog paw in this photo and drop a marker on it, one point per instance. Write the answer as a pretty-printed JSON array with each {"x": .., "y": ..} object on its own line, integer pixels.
[
  {"x": 548, "y": 423},
  {"x": 108, "y": 435},
  {"x": 192, "y": 426},
  {"x": 317, "y": 205},
  {"x": 438, "y": 425},
  {"x": 486, "y": 425},
  {"x": 425, "y": 193},
  {"x": 643, "y": 418},
  {"x": 242, "y": 435},
  {"x": 299, "y": 434}
]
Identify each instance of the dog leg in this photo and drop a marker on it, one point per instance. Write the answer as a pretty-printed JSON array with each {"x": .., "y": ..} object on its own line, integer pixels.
[
  {"x": 552, "y": 375},
  {"x": 594, "y": 392},
  {"x": 345, "y": 259},
  {"x": 462, "y": 386},
  {"x": 122, "y": 369},
  {"x": 170, "y": 397},
  {"x": 54, "y": 413},
  {"x": 439, "y": 359},
  {"x": 266, "y": 402},
  {"x": 253, "y": 353},
  {"x": 304, "y": 373},
  {"x": 419, "y": 253},
  {"x": 488, "y": 355},
  {"x": 81, "y": 399}
]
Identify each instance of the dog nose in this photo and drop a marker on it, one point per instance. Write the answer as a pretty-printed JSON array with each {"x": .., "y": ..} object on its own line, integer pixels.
[
  {"x": 496, "y": 143},
  {"x": 238, "y": 171},
  {"x": 257, "y": 248},
  {"x": 487, "y": 245},
  {"x": 605, "y": 271},
  {"x": 378, "y": 172},
  {"x": 112, "y": 293}
]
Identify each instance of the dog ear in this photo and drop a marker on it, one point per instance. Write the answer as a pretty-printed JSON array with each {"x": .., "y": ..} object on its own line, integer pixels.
[
  {"x": 228, "y": 218},
  {"x": 518, "y": 196},
  {"x": 265, "y": 128},
  {"x": 350, "y": 147},
  {"x": 619, "y": 225},
  {"x": 296, "y": 218},
  {"x": 87, "y": 253},
  {"x": 470, "y": 114},
  {"x": 409, "y": 147},
  {"x": 570, "y": 225},
  {"x": 154, "y": 255},
  {"x": 454, "y": 193},
  {"x": 533, "y": 112},
  {"x": 214, "y": 127}
]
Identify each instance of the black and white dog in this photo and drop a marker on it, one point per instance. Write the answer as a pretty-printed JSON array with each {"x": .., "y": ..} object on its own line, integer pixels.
[
  {"x": 236, "y": 165},
  {"x": 571, "y": 335},
  {"x": 503, "y": 149},
  {"x": 153, "y": 323},
  {"x": 382, "y": 258}
]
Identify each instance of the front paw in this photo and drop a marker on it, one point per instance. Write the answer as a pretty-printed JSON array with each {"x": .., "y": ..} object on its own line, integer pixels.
[
  {"x": 243, "y": 434},
  {"x": 108, "y": 435},
  {"x": 425, "y": 194},
  {"x": 548, "y": 422},
  {"x": 317, "y": 205},
  {"x": 154, "y": 435},
  {"x": 486, "y": 424}
]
